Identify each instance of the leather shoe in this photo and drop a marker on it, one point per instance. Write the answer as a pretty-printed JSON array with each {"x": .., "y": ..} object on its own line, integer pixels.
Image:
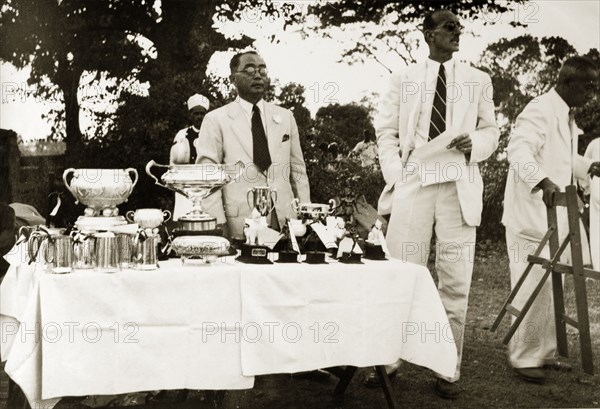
[
  {"x": 447, "y": 390},
  {"x": 559, "y": 366},
  {"x": 372, "y": 379},
  {"x": 533, "y": 375}
]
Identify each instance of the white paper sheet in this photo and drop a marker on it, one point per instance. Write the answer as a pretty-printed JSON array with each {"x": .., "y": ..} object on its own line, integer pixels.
[{"x": 435, "y": 163}]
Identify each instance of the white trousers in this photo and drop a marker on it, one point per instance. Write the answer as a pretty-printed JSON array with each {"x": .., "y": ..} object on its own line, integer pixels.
[
  {"x": 534, "y": 343},
  {"x": 423, "y": 211}
]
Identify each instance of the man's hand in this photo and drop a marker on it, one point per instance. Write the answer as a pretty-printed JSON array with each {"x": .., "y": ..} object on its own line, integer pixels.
[
  {"x": 462, "y": 142},
  {"x": 595, "y": 169},
  {"x": 548, "y": 187}
]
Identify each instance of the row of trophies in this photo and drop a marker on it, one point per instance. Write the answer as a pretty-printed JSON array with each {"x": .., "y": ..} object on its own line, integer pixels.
[{"x": 106, "y": 241}]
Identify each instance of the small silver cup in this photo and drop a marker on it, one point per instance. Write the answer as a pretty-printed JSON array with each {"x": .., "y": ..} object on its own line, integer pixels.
[{"x": 263, "y": 199}]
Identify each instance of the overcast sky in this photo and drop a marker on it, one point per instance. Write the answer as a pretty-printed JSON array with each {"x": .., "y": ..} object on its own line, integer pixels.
[{"x": 313, "y": 62}]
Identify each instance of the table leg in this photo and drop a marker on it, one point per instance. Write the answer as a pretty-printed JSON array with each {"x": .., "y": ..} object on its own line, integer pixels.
[
  {"x": 345, "y": 376},
  {"x": 387, "y": 386},
  {"x": 216, "y": 397}
]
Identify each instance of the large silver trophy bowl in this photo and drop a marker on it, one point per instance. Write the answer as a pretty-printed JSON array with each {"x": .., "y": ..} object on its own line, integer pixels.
[
  {"x": 196, "y": 182},
  {"x": 101, "y": 190}
]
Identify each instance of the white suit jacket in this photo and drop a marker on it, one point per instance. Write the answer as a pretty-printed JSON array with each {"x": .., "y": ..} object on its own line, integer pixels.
[
  {"x": 226, "y": 137},
  {"x": 472, "y": 112},
  {"x": 542, "y": 144}
]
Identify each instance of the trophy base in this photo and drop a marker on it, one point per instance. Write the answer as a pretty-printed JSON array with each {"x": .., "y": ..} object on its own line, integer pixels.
[
  {"x": 374, "y": 252},
  {"x": 350, "y": 258},
  {"x": 254, "y": 254},
  {"x": 315, "y": 257},
  {"x": 180, "y": 232},
  {"x": 287, "y": 257},
  {"x": 197, "y": 223}
]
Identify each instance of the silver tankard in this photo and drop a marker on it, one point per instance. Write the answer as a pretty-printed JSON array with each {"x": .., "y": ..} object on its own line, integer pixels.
[
  {"x": 59, "y": 253},
  {"x": 147, "y": 250},
  {"x": 105, "y": 253},
  {"x": 83, "y": 251},
  {"x": 263, "y": 199}
]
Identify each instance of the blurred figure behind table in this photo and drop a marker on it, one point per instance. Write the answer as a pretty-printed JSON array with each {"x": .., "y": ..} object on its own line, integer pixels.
[
  {"x": 183, "y": 151},
  {"x": 366, "y": 150}
]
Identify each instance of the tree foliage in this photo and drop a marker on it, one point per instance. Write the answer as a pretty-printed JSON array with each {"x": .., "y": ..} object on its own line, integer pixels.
[{"x": 388, "y": 26}]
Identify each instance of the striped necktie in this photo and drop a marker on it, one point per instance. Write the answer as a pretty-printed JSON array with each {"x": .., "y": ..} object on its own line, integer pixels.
[
  {"x": 438, "y": 112},
  {"x": 260, "y": 146}
]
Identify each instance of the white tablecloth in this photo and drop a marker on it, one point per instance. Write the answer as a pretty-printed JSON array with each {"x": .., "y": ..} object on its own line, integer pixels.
[{"x": 214, "y": 327}]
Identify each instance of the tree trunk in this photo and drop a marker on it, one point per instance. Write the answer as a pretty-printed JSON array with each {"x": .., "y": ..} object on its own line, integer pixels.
[{"x": 69, "y": 84}]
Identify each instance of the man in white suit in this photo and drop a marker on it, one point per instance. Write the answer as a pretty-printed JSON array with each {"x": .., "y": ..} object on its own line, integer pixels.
[
  {"x": 543, "y": 158},
  {"x": 237, "y": 132},
  {"x": 183, "y": 151},
  {"x": 434, "y": 97}
]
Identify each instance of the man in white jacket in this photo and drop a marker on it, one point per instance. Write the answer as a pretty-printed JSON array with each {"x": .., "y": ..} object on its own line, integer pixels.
[
  {"x": 543, "y": 158},
  {"x": 439, "y": 100}
]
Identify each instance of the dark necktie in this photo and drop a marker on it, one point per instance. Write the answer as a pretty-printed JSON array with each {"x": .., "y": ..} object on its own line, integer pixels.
[
  {"x": 438, "y": 112},
  {"x": 191, "y": 136},
  {"x": 260, "y": 147}
]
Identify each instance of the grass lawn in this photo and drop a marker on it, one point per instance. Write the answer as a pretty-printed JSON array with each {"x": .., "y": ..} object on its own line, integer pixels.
[{"x": 487, "y": 378}]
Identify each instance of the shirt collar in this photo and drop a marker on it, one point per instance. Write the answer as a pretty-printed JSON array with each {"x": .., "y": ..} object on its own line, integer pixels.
[
  {"x": 247, "y": 106},
  {"x": 195, "y": 129},
  {"x": 562, "y": 106},
  {"x": 448, "y": 66}
]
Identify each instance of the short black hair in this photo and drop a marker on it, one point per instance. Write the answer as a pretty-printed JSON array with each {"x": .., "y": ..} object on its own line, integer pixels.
[
  {"x": 574, "y": 68},
  {"x": 429, "y": 22},
  {"x": 235, "y": 60}
]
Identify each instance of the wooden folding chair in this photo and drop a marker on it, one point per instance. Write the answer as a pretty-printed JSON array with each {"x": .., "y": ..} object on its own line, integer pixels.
[{"x": 554, "y": 268}]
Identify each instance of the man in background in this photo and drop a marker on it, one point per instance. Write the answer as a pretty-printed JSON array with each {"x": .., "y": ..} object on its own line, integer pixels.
[
  {"x": 183, "y": 151},
  {"x": 543, "y": 158}
]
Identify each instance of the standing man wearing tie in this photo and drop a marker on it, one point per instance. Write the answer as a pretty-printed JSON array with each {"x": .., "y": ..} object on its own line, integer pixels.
[
  {"x": 543, "y": 158},
  {"x": 183, "y": 151},
  {"x": 261, "y": 135},
  {"x": 423, "y": 101}
]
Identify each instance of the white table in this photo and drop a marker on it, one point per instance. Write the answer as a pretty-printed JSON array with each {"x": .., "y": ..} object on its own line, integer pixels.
[{"x": 214, "y": 327}]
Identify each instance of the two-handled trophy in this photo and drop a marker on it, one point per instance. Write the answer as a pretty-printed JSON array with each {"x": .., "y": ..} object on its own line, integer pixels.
[
  {"x": 197, "y": 232},
  {"x": 261, "y": 201}
]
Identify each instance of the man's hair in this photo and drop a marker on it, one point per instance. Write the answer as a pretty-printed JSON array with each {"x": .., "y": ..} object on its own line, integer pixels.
[
  {"x": 235, "y": 61},
  {"x": 574, "y": 68},
  {"x": 429, "y": 22}
]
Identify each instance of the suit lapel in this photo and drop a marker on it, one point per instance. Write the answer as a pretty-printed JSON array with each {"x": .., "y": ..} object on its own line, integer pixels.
[
  {"x": 241, "y": 128},
  {"x": 461, "y": 104},
  {"x": 410, "y": 106},
  {"x": 272, "y": 129}
]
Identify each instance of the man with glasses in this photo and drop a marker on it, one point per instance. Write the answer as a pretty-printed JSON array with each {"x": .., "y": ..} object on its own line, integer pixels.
[
  {"x": 439, "y": 97},
  {"x": 264, "y": 137},
  {"x": 543, "y": 158}
]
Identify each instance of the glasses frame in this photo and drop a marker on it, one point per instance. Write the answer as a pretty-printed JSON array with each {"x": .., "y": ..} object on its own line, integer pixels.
[
  {"x": 251, "y": 71},
  {"x": 451, "y": 26}
]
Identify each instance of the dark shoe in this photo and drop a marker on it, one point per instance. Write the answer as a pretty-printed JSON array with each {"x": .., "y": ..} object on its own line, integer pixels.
[
  {"x": 447, "y": 390},
  {"x": 559, "y": 366},
  {"x": 372, "y": 379},
  {"x": 533, "y": 375}
]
